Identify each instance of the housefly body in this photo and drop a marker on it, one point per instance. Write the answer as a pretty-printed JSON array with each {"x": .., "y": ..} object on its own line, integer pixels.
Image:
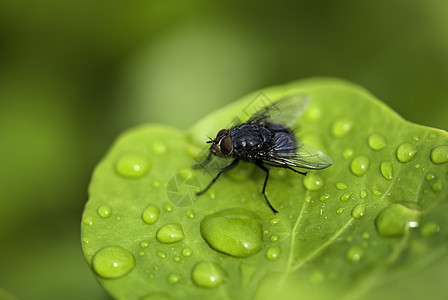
[{"x": 266, "y": 140}]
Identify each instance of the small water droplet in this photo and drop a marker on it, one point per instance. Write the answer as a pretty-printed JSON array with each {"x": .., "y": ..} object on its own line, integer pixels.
[
  {"x": 274, "y": 253},
  {"x": 190, "y": 213},
  {"x": 274, "y": 238},
  {"x": 430, "y": 229},
  {"x": 387, "y": 170},
  {"x": 340, "y": 210},
  {"x": 274, "y": 221},
  {"x": 355, "y": 254},
  {"x": 187, "y": 174},
  {"x": 159, "y": 148},
  {"x": 156, "y": 184},
  {"x": 187, "y": 252},
  {"x": 313, "y": 113},
  {"x": 317, "y": 277},
  {"x": 170, "y": 233},
  {"x": 437, "y": 186},
  {"x": 208, "y": 274},
  {"x": 151, "y": 214},
  {"x": 176, "y": 258},
  {"x": 360, "y": 165},
  {"x": 376, "y": 192},
  {"x": 235, "y": 232},
  {"x": 86, "y": 240},
  {"x": 348, "y": 153},
  {"x": 161, "y": 254},
  {"x": 363, "y": 194},
  {"x": 346, "y": 196},
  {"x": 144, "y": 244},
  {"x": 141, "y": 253},
  {"x": 397, "y": 219},
  {"x": 174, "y": 278},
  {"x": 324, "y": 197},
  {"x": 132, "y": 166},
  {"x": 88, "y": 220},
  {"x": 415, "y": 138},
  {"x": 341, "y": 128},
  {"x": 313, "y": 182},
  {"x": 341, "y": 186},
  {"x": 439, "y": 155},
  {"x": 377, "y": 142},
  {"x": 359, "y": 211},
  {"x": 430, "y": 176},
  {"x": 405, "y": 152},
  {"x": 168, "y": 207},
  {"x": 366, "y": 235},
  {"x": 113, "y": 262},
  {"x": 104, "y": 211}
]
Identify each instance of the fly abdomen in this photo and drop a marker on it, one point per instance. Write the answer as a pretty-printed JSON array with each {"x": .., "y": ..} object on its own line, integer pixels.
[{"x": 247, "y": 138}]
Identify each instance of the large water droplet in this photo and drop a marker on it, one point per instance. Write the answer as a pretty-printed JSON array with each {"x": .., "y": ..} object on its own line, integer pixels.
[
  {"x": 360, "y": 165},
  {"x": 151, "y": 214},
  {"x": 405, "y": 152},
  {"x": 397, "y": 219},
  {"x": 208, "y": 274},
  {"x": 359, "y": 211},
  {"x": 377, "y": 141},
  {"x": 313, "y": 182},
  {"x": 113, "y": 262},
  {"x": 274, "y": 253},
  {"x": 341, "y": 128},
  {"x": 170, "y": 233},
  {"x": 387, "y": 170},
  {"x": 132, "y": 165},
  {"x": 104, "y": 211},
  {"x": 236, "y": 232},
  {"x": 439, "y": 155}
]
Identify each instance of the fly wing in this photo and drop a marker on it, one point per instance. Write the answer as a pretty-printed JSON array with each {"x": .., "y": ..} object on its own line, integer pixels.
[
  {"x": 284, "y": 111},
  {"x": 304, "y": 156}
]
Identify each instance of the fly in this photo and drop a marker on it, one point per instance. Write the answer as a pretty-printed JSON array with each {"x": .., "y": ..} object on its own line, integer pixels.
[{"x": 266, "y": 140}]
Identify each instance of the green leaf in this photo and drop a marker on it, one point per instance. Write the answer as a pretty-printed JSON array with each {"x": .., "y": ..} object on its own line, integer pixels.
[{"x": 377, "y": 215}]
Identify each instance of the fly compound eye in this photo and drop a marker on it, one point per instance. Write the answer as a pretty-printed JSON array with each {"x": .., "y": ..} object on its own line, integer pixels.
[
  {"x": 222, "y": 133},
  {"x": 226, "y": 145}
]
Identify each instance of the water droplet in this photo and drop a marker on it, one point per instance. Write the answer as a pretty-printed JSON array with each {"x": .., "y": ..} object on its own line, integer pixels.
[
  {"x": 208, "y": 274},
  {"x": 366, "y": 235},
  {"x": 397, "y": 219},
  {"x": 86, "y": 240},
  {"x": 88, "y": 220},
  {"x": 355, "y": 254},
  {"x": 346, "y": 196},
  {"x": 405, "y": 152},
  {"x": 376, "y": 192},
  {"x": 176, "y": 258},
  {"x": 417, "y": 166},
  {"x": 437, "y": 186},
  {"x": 387, "y": 170},
  {"x": 274, "y": 221},
  {"x": 132, "y": 166},
  {"x": 236, "y": 232},
  {"x": 170, "y": 233},
  {"x": 377, "y": 142},
  {"x": 430, "y": 229},
  {"x": 313, "y": 113},
  {"x": 113, "y": 262},
  {"x": 168, "y": 207},
  {"x": 341, "y": 186},
  {"x": 341, "y": 128},
  {"x": 324, "y": 197},
  {"x": 141, "y": 253},
  {"x": 144, "y": 244},
  {"x": 359, "y": 211},
  {"x": 340, "y": 210},
  {"x": 415, "y": 138},
  {"x": 313, "y": 182},
  {"x": 104, "y": 211},
  {"x": 187, "y": 252},
  {"x": 174, "y": 278},
  {"x": 156, "y": 184},
  {"x": 430, "y": 176},
  {"x": 439, "y": 155},
  {"x": 187, "y": 175},
  {"x": 317, "y": 277},
  {"x": 274, "y": 238},
  {"x": 190, "y": 213},
  {"x": 159, "y": 148},
  {"x": 273, "y": 253},
  {"x": 151, "y": 214},
  {"x": 360, "y": 165},
  {"x": 363, "y": 194},
  {"x": 348, "y": 153},
  {"x": 161, "y": 254}
]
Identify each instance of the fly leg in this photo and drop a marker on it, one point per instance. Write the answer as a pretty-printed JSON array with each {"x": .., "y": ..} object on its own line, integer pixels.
[
  {"x": 261, "y": 166},
  {"x": 285, "y": 167},
  {"x": 229, "y": 167}
]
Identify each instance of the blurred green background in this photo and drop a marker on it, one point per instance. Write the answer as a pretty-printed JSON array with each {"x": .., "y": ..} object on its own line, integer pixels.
[{"x": 74, "y": 74}]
